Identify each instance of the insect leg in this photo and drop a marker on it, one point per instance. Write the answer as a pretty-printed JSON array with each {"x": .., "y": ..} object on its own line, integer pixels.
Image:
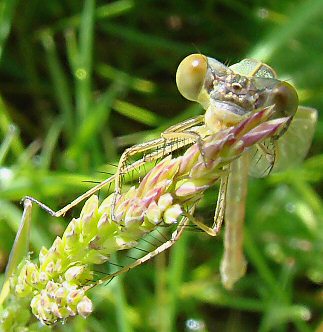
[
  {"x": 185, "y": 125},
  {"x": 76, "y": 201},
  {"x": 186, "y": 135},
  {"x": 219, "y": 211},
  {"x": 269, "y": 153},
  {"x": 122, "y": 170},
  {"x": 178, "y": 134},
  {"x": 87, "y": 194},
  {"x": 174, "y": 237},
  {"x": 168, "y": 134}
]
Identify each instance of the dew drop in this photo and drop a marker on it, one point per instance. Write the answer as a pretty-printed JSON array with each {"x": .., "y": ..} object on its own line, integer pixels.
[{"x": 195, "y": 325}]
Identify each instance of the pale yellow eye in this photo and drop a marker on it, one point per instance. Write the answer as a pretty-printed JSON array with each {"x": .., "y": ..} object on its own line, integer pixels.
[{"x": 190, "y": 76}]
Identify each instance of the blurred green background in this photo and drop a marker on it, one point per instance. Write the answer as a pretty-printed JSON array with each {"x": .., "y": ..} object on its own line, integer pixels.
[{"x": 82, "y": 80}]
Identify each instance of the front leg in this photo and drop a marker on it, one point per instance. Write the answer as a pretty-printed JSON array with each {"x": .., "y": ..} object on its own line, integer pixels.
[{"x": 173, "y": 138}]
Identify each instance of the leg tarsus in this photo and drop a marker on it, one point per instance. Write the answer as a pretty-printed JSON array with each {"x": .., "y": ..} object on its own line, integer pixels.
[
  {"x": 40, "y": 204},
  {"x": 76, "y": 201}
]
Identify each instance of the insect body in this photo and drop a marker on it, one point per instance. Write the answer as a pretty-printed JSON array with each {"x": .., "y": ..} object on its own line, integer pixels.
[
  {"x": 229, "y": 95},
  {"x": 249, "y": 113}
]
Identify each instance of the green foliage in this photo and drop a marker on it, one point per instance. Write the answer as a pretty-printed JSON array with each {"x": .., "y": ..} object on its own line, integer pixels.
[{"x": 83, "y": 80}]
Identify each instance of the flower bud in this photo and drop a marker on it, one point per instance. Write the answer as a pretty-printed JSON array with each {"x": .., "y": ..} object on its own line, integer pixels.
[
  {"x": 78, "y": 275},
  {"x": 171, "y": 214},
  {"x": 85, "y": 307}
]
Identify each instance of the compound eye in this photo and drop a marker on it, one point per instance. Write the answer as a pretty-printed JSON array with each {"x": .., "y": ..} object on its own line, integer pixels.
[
  {"x": 190, "y": 76},
  {"x": 285, "y": 99}
]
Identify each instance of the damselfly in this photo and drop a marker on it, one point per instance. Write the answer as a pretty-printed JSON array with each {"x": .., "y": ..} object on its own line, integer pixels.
[{"x": 249, "y": 125}]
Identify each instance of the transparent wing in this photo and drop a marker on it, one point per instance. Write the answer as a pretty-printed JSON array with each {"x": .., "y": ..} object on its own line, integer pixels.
[
  {"x": 288, "y": 150},
  {"x": 293, "y": 146}
]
